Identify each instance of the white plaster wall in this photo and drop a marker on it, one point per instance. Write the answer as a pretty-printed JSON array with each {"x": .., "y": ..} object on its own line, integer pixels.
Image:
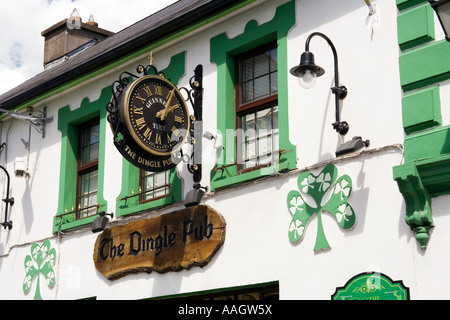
[{"x": 368, "y": 67}]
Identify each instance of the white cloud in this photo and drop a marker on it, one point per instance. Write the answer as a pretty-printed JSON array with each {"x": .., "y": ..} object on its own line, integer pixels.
[{"x": 22, "y": 21}]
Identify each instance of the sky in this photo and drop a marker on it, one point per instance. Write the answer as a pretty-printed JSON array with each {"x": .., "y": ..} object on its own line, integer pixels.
[{"x": 22, "y": 21}]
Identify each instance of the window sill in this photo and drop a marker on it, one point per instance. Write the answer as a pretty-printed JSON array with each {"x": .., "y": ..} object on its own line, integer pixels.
[
  {"x": 129, "y": 206},
  {"x": 227, "y": 176},
  {"x": 64, "y": 222}
]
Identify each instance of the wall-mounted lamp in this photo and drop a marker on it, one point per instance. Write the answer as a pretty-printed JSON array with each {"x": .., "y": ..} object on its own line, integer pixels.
[
  {"x": 307, "y": 72},
  {"x": 351, "y": 146},
  {"x": 194, "y": 196},
  {"x": 442, "y": 8},
  {"x": 9, "y": 201},
  {"x": 100, "y": 222}
]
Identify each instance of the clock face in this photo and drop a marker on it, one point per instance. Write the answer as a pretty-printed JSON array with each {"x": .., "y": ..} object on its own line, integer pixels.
[{"x": 156, "y": 115}]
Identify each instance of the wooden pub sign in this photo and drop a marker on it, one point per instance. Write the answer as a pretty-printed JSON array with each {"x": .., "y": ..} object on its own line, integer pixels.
[{"x": 170, "y": 242}]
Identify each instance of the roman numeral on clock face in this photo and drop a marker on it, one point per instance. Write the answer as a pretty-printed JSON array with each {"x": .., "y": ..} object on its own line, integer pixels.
[
  {"x": 148, "y": 91},
  {"x": 140, "y": 98},
  {"x": 158, "y": 90},
  {"x": 140, "y": 123},
  {"x": 148, "y": 133},
  {"x": 158, "y": 139}
]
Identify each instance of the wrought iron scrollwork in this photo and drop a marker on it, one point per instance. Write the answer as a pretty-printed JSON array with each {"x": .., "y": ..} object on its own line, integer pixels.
[
  {"x": 194, "y": 95},
  {"x": 196, "y": 100},
  {"x": 117, "y": 88}
]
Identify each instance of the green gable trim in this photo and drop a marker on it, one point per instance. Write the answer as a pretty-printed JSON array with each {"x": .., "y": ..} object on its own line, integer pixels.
[
  {"x": 421, "y": 109},
  {"x": 425, "y": 65},
  {"x": 223, "y": 51},
  {"x": 126, "y": 203},
  {"x": 415, "y": 26},
  {"x": 68, "y": 122}
]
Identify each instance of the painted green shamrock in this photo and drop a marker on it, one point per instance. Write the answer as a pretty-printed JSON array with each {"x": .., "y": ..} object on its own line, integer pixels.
[
  {"x": 45, "y": 259},
  {"x": 317, "y": 187}
]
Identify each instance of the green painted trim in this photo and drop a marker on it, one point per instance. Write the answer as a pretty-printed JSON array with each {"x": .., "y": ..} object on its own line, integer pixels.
[
  {"x": 417, "y": 201},
  {"x": 223, "y": 51},
  {"x": 426, "y": 172},
  {"x": 427, "y": 144},
  {"x": 405, "y": 4},
  {"x": 421, "y": 109},
  {"x": 415, "y": 26},
  {"x": 425, "y": 65},
  {"x": 435, "y": 174},
  {"x": 68, "y": 122},
  {"x": 419, "y": 181},
  {"x": 133, "y": 55},
  {"x": 130, "y": 173}
]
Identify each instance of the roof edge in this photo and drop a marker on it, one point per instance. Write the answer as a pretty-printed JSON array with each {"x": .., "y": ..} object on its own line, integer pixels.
[{"x": 43, "y": 83}]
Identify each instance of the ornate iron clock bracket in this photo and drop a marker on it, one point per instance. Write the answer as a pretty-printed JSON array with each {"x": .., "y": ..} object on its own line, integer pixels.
[
  {"x": 194, "y": 96},
  {"x": 117, "y": 88}
]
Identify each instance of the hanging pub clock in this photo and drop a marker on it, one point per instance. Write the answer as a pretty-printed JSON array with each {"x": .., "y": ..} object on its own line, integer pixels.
[
  {"x": 150, "y": 119},
  {"x": 156, "y": 115}
]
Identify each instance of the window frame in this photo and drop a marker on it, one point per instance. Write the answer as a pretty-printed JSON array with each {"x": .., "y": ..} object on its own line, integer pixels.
[
  {"x": 83, "y": 169},
  {"x": 223, "y": 52},
  {"x": 243, "y": 109},
  {"x": 69, "y": 122},
  {"x": 141, "y": 186}
]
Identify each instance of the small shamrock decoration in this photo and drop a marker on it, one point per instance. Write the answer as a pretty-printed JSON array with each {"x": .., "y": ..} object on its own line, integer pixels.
[
  {"x": 45, "y": 259},
  {"x": 317, "y": 187}
]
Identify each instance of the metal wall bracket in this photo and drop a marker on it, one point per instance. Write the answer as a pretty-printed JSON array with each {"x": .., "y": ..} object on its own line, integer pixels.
[{"x": 38, "y": 122}]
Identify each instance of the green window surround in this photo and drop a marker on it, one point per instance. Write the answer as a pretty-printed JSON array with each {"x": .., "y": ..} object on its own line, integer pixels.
[
  {"x": 223, "y": 53},
  {"x": 128, "y": 200},
  {"x": 68, "y": 124}
]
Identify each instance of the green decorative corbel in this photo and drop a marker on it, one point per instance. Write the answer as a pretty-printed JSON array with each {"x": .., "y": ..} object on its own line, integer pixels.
[{"x": 417, "y": 201}]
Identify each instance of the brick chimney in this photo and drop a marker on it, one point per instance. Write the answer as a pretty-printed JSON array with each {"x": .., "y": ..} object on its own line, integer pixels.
[{"x": 69, "y": 37}]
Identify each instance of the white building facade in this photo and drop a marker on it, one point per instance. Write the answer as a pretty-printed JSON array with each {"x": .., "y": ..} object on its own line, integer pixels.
[{"x": 296, "y": 221}]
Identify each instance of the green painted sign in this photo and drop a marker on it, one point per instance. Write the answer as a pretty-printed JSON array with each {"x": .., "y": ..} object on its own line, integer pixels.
[{"x": 371, "y": 286}]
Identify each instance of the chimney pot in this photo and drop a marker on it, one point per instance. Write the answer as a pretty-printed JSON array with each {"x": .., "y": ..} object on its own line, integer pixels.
[
  {"x": 91, "y": 21},
  {"x": 64, "y": 38}
]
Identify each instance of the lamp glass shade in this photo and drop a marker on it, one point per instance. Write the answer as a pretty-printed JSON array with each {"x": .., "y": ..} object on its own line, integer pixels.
[{"x": 307, "y": 79}]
